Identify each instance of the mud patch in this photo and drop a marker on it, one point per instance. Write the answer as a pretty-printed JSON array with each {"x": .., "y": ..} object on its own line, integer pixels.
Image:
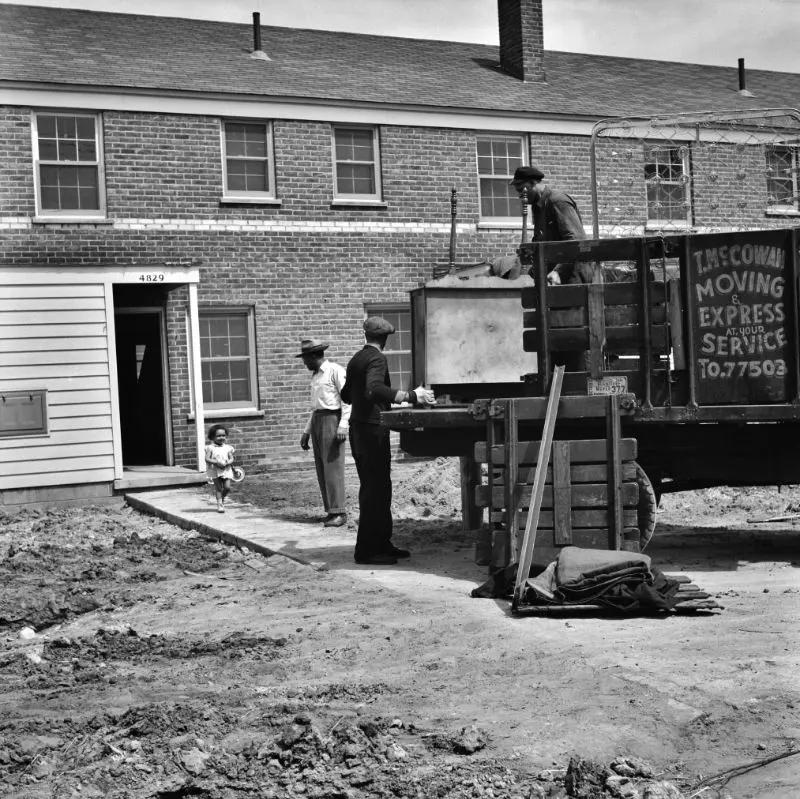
[{"x": 61, "y": 564}]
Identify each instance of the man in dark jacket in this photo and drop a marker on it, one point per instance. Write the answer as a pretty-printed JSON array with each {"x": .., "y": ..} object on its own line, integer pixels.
[
  {"x": 368, "y": 390},
  {"x": 555, "y": 218}
]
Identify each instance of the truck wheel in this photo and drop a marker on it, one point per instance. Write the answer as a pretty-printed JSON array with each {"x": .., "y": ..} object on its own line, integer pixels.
[{"x": 646, "y": 508}]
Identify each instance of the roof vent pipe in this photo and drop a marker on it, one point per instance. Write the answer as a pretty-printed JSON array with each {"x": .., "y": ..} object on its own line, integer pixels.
[
  {"x": 742, "y": 82},
  {"x": 257, "y": 51}
]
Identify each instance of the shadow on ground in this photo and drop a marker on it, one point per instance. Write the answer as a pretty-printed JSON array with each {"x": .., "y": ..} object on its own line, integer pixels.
[{"x": 722, "y": 549}]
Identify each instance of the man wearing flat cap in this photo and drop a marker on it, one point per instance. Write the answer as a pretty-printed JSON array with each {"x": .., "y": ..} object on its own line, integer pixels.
[
  {"x": 327, "y": 427},
  {"x": 368, "y": 388},
  {"x": 555, "y": 218}
]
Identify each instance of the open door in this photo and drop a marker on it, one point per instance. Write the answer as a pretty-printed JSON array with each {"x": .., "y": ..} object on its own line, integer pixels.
[{"x": 140, "y": 373}]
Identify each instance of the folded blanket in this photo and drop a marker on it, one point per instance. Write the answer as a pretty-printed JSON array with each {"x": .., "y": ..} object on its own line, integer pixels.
[
  {"x": 583, "y": 575},
  {"x": 576, "y": 564}
]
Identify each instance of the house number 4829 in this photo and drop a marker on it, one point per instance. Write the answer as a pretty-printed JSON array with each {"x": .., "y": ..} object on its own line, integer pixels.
[{"x": 155, "y": 277}]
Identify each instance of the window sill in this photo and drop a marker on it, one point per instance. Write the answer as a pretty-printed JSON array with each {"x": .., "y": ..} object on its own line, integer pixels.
[
  {"x": 228, "y": 413},
  {"x": 490, "y": 224},
  {"x": 666, "y": 224},
  {"x": 71, "y": 220},
  {"x": 782, "y": 212},
  {"x": 251, "y": 201},
  {"x": 358, "y": 204}
]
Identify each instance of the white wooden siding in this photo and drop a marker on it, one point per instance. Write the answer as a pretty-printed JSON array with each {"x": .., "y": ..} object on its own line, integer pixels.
[
  {"x": 78, "y": 410},
  {"x": 45, "y": 357},
  {"x": 53, "y": 344},
  {"x": 53, "y": 336}
]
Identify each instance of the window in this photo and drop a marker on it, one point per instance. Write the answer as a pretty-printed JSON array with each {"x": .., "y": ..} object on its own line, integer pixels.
[
  {"x": 498, "y": 158},
  {"x": 356, "y": 164},
  {"x": 247, "y": 160},
  {"x": 398, "y": 345},
  {"x": 68, "y": 165},
  {"x": 227, "y": 358},
  {"x": 781, "y": 178},
  {"x": 666, "y": 173}
]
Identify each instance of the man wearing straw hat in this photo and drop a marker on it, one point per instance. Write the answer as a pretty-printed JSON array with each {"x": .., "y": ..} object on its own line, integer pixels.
[{"x": 327, "y": 427}]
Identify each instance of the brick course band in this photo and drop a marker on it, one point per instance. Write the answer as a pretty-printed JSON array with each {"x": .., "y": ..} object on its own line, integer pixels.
[{"x": 245, "y": 225}]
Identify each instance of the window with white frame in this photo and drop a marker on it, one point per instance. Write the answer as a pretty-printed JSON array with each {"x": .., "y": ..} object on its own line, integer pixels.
[
  {"x": 247, "y": 161},
  {"x": 227, "y": 358},
  {"x": 68, "y": 165},
  {"x": 781, "y": 166},
  {"x": 666, "y": 173},
  {"x": 398, "y": 345},
  {"x": 498, "y": 158},
  {"x": 356, "y": 156}
]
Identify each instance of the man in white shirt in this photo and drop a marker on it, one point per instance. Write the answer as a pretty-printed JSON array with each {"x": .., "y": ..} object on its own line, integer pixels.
[{"x": 327, "y": 427}]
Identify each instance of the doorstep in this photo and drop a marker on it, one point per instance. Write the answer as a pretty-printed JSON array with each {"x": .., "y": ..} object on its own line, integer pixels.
[{"x": 156, "y": 476}]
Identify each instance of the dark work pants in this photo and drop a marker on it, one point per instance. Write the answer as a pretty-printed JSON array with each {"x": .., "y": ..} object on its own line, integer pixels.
[
  {"x": 369, "y": 444},
  {"x": 329, "y": 459}
]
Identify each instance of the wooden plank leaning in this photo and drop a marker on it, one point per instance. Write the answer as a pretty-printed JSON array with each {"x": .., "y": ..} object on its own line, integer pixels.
[
  {"x": 535, "y": 504},
  {"x": 615, "y": 500}
]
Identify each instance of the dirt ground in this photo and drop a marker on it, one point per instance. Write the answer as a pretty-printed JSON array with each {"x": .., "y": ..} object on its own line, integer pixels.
[{"x": 140, "y": 660}]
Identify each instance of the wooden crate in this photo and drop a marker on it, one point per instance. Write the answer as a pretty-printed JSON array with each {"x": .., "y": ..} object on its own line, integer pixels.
[{"x": 577, "y": 504}]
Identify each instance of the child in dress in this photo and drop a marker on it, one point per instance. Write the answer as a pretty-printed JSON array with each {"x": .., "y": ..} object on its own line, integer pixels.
[{"x": 219, "y": 462}]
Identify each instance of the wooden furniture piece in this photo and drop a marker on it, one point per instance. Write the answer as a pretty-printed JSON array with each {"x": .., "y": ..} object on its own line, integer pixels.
[{"x": 590, "y": 494}]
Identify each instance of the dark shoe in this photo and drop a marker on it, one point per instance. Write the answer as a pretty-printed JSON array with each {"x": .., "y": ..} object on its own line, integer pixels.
[
  {"x": 399, "y": 553},
  {"x": 336, "y": 520},
  {"x": 377, "y": 560}
]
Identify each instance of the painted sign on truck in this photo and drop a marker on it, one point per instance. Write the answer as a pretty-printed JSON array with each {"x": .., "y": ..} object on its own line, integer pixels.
[{"x": 740, "y": 312}]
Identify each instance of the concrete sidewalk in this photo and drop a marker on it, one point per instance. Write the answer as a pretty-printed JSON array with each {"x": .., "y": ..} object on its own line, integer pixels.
[
  {"x": 248, "y": 526},
  {"x": 432, "y": 570}
]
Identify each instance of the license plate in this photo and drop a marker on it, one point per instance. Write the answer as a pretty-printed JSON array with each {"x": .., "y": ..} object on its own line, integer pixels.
[{"x": 613, "y": 384}]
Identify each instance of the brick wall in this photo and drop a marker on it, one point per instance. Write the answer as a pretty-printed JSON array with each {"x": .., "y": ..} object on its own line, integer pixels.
[
  {"x": 16, "y": 176},
  {"x": 730, "y": 183},
  {"x": 306, "y": 267}
]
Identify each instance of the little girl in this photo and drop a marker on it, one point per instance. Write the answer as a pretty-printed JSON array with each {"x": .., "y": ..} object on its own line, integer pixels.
[{"x": 219, "y": 460}]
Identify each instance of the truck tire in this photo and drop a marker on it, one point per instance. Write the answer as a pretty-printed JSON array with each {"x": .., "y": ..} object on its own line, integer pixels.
[{"x": 646, "y": 508}]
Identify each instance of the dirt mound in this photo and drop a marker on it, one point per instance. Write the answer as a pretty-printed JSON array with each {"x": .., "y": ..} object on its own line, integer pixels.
[
  {"x": 203, "y": 749},
  {"x": 737, "y": 504},
  {"x": 427, "y": 488}
]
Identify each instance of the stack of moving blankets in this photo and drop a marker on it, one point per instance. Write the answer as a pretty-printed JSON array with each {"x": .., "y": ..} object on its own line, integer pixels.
[{"x": 621, "y": 580}]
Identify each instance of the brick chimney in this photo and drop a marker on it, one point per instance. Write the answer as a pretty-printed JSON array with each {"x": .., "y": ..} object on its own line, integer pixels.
[{"x": 522, "y": 39}]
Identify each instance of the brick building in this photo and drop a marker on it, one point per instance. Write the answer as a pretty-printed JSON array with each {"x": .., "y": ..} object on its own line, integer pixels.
[{"x": 182, "y": 201}]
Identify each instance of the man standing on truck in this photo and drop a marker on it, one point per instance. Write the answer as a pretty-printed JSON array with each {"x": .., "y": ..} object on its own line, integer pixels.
[
  {"x": 368, "y": 389},
  {"x": 555, "y": 218}
]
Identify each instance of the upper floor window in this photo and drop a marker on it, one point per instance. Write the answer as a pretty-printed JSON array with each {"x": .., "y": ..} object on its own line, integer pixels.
[
  {"x": 356, "y": 163},
  {"x": 67, "y": 151},
  {"x": 247, "y": 160},
  {"x": 398, "y": 345},
  {"x": 498, "y": 158},
  {"x": 227, "y": 358},
  {"x": 781, "y": 178},
  {"x": 666, "y": 173}
]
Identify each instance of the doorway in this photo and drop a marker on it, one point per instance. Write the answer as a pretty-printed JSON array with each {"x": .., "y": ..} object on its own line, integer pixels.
[{"x": 141, "y": 364}]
